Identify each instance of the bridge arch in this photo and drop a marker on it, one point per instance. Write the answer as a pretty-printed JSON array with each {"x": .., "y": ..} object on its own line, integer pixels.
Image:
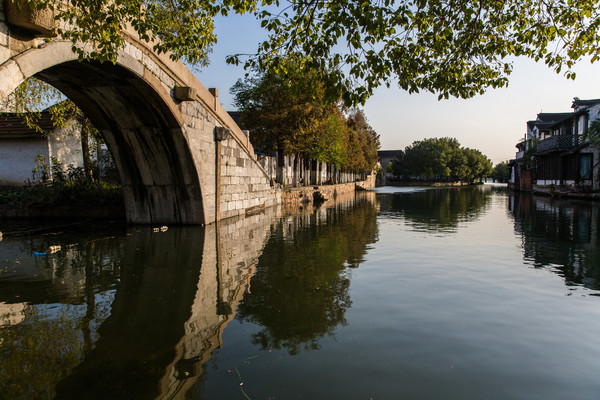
[
  {"x": 139, "y": 121},
  {"x": 181, "y": 157}
]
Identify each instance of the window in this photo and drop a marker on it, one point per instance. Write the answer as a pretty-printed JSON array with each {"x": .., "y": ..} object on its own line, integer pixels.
[
  {"x": 585, "y": 166},
  {"x": 582, "y": 125}
]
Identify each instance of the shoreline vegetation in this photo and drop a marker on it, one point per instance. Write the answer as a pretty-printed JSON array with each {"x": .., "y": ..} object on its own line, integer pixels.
[{"x": 63, "y": 200}]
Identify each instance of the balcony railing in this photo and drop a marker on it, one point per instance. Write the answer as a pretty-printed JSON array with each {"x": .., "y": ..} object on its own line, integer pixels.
[{"x": 561, "y": 142}]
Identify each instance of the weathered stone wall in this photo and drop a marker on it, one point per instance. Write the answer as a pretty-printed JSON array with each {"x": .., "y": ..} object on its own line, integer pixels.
[
  {"x": 4, "y": 51},
  {"x": 369, "y": 182},
  {"x": 12, "y": 41},
  {"x": 244, "y": 186},
  {"x": 17, "y": 159},
  {"x": 308, "y": 194},
  {"x": 242, "y": 183}
]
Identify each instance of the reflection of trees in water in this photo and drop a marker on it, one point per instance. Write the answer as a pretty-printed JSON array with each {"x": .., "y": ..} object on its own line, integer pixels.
[
  {"x": 38, "y": 352},
  {"x": 87, "y": 260},
  {"x": 437, "y": 210},
  {"x": 43, "y": 349},
  {"x": 561, "y": 234},
  {"x": 58, "y": 315},
  {"x": 300, "y": 289},
  {"x": 131, "y": 316}
]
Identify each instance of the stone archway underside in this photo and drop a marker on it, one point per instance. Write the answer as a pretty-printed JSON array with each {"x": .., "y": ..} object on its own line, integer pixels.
[{"x": 160, "y": 182}]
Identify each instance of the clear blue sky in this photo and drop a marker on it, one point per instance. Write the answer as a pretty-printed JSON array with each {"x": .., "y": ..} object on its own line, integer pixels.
[{"x": 492, "y": 123}]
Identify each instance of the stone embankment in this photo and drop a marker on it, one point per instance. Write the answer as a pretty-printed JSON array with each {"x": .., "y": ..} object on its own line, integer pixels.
[
  {"x": 564, "y": 192},
  {"x": 289, "y": 196},
  {"x": 307, "y": 194}
]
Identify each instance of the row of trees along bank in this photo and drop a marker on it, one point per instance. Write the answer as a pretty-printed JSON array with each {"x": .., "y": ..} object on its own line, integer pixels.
[
  {"x": 440, "y": 159},
  {"x": 316, "y": 141}
]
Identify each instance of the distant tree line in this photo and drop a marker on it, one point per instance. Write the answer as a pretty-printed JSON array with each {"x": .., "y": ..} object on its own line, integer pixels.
[
  {"x": 291, "y": 115},
  {"x": 501, "y": 172},
  {"x": 441, "y": 159}
]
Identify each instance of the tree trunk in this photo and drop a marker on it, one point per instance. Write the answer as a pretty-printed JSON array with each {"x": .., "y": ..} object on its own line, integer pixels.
[
  {"x": 280, "y": 167},
  {"x": 88, "y": 166},
  {"x": 295, "y": 172}
]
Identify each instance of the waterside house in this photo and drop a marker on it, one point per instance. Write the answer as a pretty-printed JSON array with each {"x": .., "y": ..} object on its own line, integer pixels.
[
  {"x": 556, "y": 156},
  {"x": 385, "y": 157},
  {"x": 20, "y": 145}
]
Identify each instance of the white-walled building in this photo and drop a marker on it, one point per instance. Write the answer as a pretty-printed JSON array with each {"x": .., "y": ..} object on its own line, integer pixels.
[
  {"x": 20, "y": 145},
  {"x": 556, "y": 153}
]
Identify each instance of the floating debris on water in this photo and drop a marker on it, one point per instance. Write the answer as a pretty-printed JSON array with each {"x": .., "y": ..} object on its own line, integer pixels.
[
  {"x": 50, "y": 250},
  {"x": 53, "y": 249}
]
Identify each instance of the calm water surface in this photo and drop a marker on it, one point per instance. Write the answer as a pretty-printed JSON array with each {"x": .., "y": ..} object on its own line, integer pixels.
[{"x": 402, "y": 293}]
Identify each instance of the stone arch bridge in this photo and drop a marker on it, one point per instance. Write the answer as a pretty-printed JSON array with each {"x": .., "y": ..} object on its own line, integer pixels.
[{"x": 181, "y": 157}]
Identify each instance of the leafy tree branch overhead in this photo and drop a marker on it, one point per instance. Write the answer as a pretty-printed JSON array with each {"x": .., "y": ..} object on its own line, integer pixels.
[{"x": 449, "y": 47}]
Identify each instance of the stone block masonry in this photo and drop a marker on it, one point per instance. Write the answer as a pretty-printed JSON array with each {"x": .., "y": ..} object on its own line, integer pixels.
[
  {"x": 308, "y": 194},
  {"x": 237, "y": 183}
]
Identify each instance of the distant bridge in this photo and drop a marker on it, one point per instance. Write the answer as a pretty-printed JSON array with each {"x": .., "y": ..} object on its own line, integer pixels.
[{"x": 181, "y": 158}]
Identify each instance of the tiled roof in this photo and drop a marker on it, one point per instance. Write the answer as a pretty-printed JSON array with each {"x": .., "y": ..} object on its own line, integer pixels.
[
  {"x": 387, "y": 153},
  {"x": 12, "y": 125},
  {"x": 578, "y": 103},
  {"x": 553, "y": 117},
  {"x": 549, "y": 120},
  {"x": 235, "y": 116}
]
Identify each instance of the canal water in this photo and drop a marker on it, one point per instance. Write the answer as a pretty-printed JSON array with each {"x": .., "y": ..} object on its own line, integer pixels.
[{"x": 400, "y": 293}]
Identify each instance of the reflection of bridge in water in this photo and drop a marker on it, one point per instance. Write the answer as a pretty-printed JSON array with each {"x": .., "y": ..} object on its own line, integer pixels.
[
  {"x": 147, "y": 309},
  {"x": 224, "y": 280},
  {"x": 178, "y": 291}
]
